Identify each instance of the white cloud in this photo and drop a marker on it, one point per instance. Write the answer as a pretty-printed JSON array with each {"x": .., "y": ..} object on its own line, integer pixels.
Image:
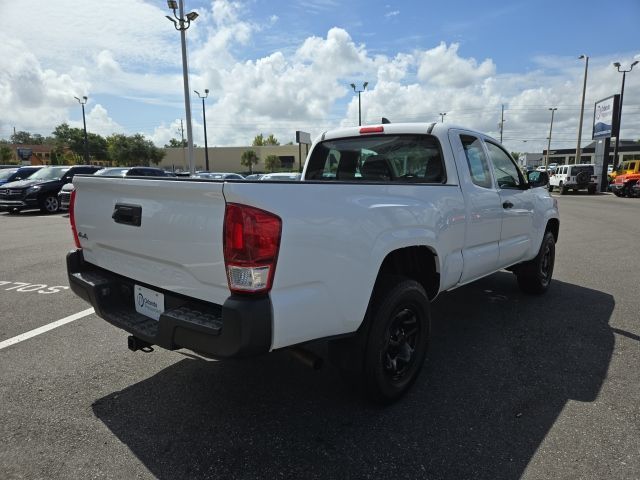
[
  {"x": 136, "y": 56},
  {"x": 392, "y": 13}
]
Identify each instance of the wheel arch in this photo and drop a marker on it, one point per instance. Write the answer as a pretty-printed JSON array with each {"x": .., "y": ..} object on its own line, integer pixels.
[
  {"x": 553, "y": 226},
  {"x": 419, "y": 263}
]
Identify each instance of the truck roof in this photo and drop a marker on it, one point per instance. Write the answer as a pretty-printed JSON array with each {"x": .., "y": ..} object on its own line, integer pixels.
[{"x": 395, "y": 128}]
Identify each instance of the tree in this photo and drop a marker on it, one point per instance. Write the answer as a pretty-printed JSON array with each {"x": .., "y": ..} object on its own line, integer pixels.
[
  {"x": 249, "y": 159},
  {"x": 271, "y": 140},
  {"x": 26, "y": 138},
  {"x": 175, "y": 143},
  {"x": 258, "y": 140},
  {"x": 516, "y": 155},
  {"x": 6, "y": 155},
  {"x": 272, "y": 162},
  {"x": 65, "y": 137},
  {"x": 133, "y": 150}
]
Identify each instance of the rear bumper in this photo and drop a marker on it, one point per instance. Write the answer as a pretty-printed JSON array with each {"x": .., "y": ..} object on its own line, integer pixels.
[{"x": 240, "y": 327}]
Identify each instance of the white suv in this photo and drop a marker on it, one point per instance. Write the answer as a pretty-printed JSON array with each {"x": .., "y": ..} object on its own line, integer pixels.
[{"x": 574, "y": 177}]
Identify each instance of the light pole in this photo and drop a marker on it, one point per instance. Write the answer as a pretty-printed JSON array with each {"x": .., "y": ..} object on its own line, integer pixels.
[
  {"x": 549, "y": 144},
  {"x": 501, "y": 124},
  {"x": 624, "y": 74},
  {"x": 364, "y": 87},
  {"x": 584, "y": 91},
  {"x": 442, "y": 117},
  {"x": 83, "y": 102},
  {"x": 182, "y": 23},
  {"x": 204, "y": 120}
]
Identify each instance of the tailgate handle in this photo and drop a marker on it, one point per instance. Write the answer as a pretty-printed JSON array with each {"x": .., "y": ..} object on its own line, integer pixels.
[{"x": 127, "y": 214}]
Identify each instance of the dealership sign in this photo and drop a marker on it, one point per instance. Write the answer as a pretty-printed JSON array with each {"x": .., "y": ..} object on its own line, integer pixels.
[{"x": 605, "y": 118}]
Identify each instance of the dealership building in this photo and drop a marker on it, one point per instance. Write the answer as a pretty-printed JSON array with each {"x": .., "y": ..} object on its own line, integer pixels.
[
  {"x": 628, "y": 150},
  {"x": 228, "y": 159}
]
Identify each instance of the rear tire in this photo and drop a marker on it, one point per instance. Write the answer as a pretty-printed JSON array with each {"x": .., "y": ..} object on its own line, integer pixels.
[
  {"x": 535, "y": 275},
  {"x": 550, "y": 188},
  {"x": 398, "y": 340},
  {"x": 591, "y": 190}
]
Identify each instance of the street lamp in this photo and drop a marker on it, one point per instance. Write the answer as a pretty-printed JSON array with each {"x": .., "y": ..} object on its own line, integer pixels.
[
  {"x": 364, "y": 87},
  {"x": 83, "y": 102},
  {"x": 624, "y": 74},
  {"x": 584, "y": 91},
  {"x": 550, "y": 130},
  {"x": 204, "y": 120},
  {"x": 182, "y": 23},
  {"x": 442, "y": 117}
]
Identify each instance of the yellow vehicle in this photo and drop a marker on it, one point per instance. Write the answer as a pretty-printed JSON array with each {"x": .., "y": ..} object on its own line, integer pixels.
[{"x": 625, "y": 168}]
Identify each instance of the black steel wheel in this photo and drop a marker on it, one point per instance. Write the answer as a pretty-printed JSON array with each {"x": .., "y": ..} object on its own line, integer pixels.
[
  {"x": 398, "y": 339},
  {"x": 535, "y": 276}
]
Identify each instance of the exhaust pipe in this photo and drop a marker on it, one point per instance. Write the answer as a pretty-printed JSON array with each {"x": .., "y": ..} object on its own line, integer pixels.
[
  {"x": 308, "y": 358},
  {"x": 134, "y": 344}
]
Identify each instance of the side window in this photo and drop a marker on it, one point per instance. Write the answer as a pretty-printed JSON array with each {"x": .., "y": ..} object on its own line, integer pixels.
[
  {"x": 506, "y": 172},
  {"x": 476, "y": 160}
]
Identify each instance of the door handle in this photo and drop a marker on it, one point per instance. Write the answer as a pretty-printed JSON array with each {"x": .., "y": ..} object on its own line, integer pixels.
[
  {"x": 127, "y": 214},
  {"x": 507, "y": 204}
]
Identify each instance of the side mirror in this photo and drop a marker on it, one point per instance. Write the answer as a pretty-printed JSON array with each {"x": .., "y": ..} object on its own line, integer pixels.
[{"x": 537, "y": 179}]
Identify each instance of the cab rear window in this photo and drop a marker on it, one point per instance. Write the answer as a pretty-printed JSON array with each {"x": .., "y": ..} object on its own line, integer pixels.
[{"x": 378, "y": 159}]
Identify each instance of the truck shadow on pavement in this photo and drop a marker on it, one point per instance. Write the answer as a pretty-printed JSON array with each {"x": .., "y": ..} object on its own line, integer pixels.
[{"x": 501, "y": 368}]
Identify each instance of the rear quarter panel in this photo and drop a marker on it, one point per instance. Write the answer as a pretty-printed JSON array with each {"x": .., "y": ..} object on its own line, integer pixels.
[{"x": 334, "y": 239}]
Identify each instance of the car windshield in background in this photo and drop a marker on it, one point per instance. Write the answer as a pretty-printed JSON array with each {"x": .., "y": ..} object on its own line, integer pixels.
[
  {"x": 378, "y": 158},
  {"x": 49, "y": 173},
  {"x": 7, "y": 172},
  {"x": 114, "y": 172}
]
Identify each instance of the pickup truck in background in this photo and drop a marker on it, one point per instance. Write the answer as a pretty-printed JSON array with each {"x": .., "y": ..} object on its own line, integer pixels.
[{"x": 384, "y": 218}]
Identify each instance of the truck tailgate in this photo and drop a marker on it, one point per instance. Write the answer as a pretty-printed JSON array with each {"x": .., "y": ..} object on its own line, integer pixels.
[{"x": 178, "y": 244}]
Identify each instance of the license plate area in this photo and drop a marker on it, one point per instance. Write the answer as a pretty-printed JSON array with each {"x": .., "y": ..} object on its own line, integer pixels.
[{"x": 148, "y": 302}]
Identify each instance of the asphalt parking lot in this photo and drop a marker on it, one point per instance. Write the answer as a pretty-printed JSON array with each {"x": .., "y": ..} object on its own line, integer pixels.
[{"x": 515, "y": 386}]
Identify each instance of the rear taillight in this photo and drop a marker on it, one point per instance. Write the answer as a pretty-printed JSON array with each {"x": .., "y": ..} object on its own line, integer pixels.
[
  {"x": 251, "y": 245},
  {"x": 72, "y": 218}
]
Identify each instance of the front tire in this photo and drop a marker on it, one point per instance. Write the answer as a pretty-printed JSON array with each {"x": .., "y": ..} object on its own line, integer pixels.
[
  {"x": 398, "y": 340},
  {"x": 534, "y": 276},
  {"x": 49, "y": 204}
]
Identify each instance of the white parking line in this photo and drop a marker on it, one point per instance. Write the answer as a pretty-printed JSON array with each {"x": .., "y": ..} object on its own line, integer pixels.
[{"x": 45, "y": 328}]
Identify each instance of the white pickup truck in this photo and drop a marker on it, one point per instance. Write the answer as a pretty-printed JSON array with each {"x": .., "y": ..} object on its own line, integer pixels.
[{"x": 384, "y": 218}]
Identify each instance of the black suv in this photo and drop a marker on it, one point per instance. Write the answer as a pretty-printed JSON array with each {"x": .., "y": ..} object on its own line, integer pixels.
[{"x": 41, "y": 189}]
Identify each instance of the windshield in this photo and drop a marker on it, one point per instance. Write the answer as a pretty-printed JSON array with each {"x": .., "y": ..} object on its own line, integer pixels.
[
  {"x": 49, "y": 173},
  {"x": 7, "y": 172}
]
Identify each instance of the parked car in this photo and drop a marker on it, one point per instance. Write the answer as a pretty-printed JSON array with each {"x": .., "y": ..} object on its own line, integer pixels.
[
  {"x": 574, "y": 177},
  {"x": 635, "y": 189},
  {"x": 254, "y": 176},
  {"x": 624, "y": 183},
  {"x": 8, "y": 175},
  {"x": 64, "y": 196},
  {"x": 281, "y": 177},
  {"x": 235, "y": 269},
  {"x": 41, "y": 189},
  {"x": 218, "y": 176}
]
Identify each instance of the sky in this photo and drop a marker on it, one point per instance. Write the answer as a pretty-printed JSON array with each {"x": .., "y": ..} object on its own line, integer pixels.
[{"x": 277, "y": 67}]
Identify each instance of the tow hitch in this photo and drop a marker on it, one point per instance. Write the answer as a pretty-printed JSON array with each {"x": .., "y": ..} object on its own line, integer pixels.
[{"x": 134, "y": 343}]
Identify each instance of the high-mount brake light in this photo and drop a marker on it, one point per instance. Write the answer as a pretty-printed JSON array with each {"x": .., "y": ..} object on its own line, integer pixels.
[
  {"x": 378, "y": 129},
  {"x": 251, "y": 242},
  {"x": 72, "y": 218}
]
